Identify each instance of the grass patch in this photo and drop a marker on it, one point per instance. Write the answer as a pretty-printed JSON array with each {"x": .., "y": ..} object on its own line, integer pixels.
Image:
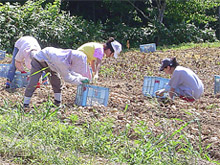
[
  {"x": 180, "y": 46},
  {"x": 189, "y": 45},
  {"x": 41, "y": 137}
]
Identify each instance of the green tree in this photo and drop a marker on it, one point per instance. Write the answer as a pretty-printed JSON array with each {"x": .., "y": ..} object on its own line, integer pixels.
[
  {"x": 46, "y": 22},
  {"x": 199, "y": 12}
]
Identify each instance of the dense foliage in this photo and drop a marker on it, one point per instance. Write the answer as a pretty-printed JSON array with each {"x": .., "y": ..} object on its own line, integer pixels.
[
  {"x": 161, "y": 21},
  {"x": 49, "y": 25},
  {"x": 68, "y": 25}
]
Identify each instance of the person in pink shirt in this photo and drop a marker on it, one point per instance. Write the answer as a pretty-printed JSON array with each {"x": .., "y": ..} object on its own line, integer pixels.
[{"x": 23, "y": 49}]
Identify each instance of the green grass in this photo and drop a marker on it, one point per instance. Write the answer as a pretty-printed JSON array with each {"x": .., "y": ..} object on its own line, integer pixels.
[
  {"x": 189, "y": 45},
  {"x": 167, "y": 47},
  {"x": 42, "y": 137},
  {"x": 180, "y": 46}
]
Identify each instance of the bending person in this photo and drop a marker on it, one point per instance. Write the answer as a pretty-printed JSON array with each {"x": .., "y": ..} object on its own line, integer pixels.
[
  {"x": 22, "y": 55},
  {"x": 95, "y": 52},
  {"x": 183, "y": 83},
  {"x": 70, "y": 64}
]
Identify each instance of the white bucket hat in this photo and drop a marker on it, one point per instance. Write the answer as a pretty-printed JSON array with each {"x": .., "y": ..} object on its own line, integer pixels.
[{"x": 117, "y": 48}]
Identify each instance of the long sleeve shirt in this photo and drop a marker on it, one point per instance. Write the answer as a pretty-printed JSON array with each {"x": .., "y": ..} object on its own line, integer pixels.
[
  {"x": 70, "y": 64},
  {"x": 25, "y": 45}
]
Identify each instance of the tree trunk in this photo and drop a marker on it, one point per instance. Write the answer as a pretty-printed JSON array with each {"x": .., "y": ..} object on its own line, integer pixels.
[
  {"x": 161, "y": 5},
  {"x": 218, "y": 35}
]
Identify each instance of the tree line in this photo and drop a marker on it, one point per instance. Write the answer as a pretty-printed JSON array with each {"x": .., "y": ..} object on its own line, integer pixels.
[{"x": 70, "y": 23}]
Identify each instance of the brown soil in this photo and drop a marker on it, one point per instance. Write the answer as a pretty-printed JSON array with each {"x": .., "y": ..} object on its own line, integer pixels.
[{"x": 125, "y": 85}]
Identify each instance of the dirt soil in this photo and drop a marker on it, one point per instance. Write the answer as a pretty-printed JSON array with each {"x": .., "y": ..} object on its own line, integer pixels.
[{"x": 127, "y": 105}]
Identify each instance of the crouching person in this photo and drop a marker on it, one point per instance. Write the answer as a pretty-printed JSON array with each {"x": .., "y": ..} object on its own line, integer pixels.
[
  {"x": 184, "y": 83},
  {"x": 70, "y": 64}
]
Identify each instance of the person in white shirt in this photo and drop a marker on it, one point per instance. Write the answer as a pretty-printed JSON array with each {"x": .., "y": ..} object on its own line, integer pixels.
[
  {"x": 183, "y": 83},
  {"x": 22, "y": 55},
  {"x": 69, "y": 64}
]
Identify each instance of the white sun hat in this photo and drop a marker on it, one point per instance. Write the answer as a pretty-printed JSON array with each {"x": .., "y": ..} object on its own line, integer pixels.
[{"x": 117, "y": 48}]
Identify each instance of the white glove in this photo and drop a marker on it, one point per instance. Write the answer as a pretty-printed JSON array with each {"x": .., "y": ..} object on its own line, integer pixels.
[
  {"x": 95, "y": 78},
  {"x": 80, "y": 79},
  {"x": 83, "y": 78},
  {"x": 160, "y": 92}
]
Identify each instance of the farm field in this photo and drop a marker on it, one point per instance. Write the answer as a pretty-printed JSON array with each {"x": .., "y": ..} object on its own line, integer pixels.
[{"x": 127, "y": 105}]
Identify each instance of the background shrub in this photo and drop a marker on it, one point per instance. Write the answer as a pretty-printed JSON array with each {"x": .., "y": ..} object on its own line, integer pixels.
[
  {"x": 52, "y": 26},
  {"x": 49, "y": 25}
]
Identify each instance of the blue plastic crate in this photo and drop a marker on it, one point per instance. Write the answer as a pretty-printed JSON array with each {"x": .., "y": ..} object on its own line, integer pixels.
[
  {"x": 89, "y": 95},
  {"x": 20, "y": 80},
  {"x": 146, "y": 48},
  {"x": 2, "y": 54},
  {"x": 152, "y": 84},
  {"x": 217, "y": 84},
  {"x": 4, "y": 70}
]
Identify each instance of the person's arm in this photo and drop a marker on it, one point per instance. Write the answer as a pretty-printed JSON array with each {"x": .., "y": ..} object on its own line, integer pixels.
[
  {"x": 171, "y": 92},
  {"x": 73, "y": 78},
  {"x": 19, "y": 65},
  {"x": 19, "y": 60},
  {"x": 93, "y": 66},
  {"x": 160, "y": 92},
  {"x": 98, "y": 54},
  {"x": 69, "y": 76},
  {"x": 98, "y": 65},
  {"x": 72, "y": 74}
]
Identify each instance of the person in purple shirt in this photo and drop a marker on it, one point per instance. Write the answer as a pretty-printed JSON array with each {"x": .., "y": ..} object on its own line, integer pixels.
[
  {"x": 183, "y": 83},
  {"x": 68, "y": 64}
]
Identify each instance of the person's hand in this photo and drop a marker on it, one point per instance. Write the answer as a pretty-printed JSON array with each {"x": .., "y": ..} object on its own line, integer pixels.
[
  {"x": 160, "y": 92},
  {"x": 95, "y": 78},
  {"x": 83, "y": 80},
  {"x": 86, "y": 81}
]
